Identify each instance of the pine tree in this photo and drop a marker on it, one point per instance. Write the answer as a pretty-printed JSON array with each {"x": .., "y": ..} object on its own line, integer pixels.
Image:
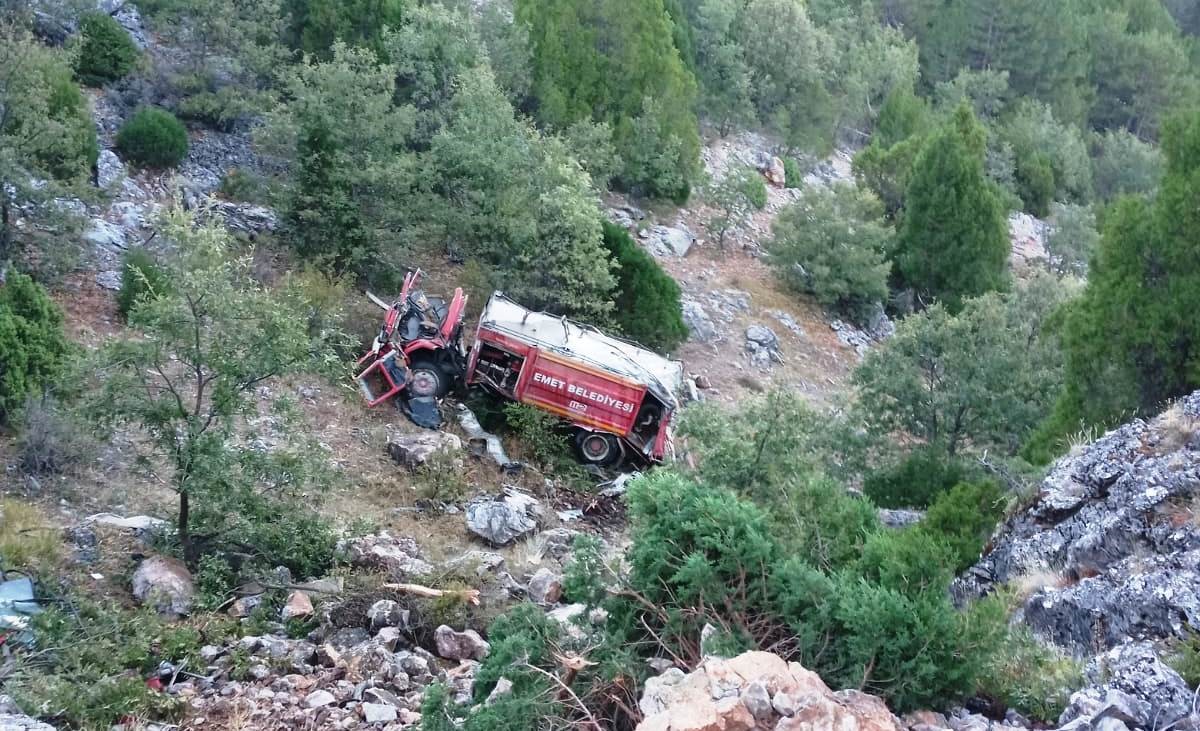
[
  {"x": 602, "y": 60},
  {"x": 1133, "y": 339},
  {"x": 953, "y": 243}
]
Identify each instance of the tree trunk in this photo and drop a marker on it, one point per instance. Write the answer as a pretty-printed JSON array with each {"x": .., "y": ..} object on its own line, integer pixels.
[{"x": 185, "y": 537}]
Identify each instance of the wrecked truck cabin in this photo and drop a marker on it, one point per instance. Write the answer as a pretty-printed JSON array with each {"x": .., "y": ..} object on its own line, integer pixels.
[{"x": 619, "y": 396}]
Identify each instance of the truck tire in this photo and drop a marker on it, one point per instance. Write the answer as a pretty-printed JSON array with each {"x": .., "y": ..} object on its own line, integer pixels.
[
  {"x": 599, "y": 448},
  {"x": 428, "y": 379}
]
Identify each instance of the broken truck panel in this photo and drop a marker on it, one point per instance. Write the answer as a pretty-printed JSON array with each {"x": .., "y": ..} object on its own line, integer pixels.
[{"x": 620, "y": 396}]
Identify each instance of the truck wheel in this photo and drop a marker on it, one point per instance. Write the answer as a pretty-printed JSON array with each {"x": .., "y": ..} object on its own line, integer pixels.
[
  {"x": 428, "y": 379},
  {"x": 599, "y": 448}
]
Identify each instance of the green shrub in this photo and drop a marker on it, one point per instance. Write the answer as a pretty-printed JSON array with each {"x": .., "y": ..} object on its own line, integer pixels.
[
  {"x": 1035, "y": 184},
  {"x": 33, "y": 349},
  {"x": 243, "y": 186},
  {"x": 541, "y": 436},
  {"x": 1032, "y": 677},
  {"x": 833, "y": 243},
  {"x": 221, "y": 109},
  {"x": 76, "y": 149},
  {"x": 153, "y": 138},
  {"x": 98, "y": 655},
  {"x": 107, "y": 53},
  {"x": 141, "y": 278},
  {"x": 963, "y": 519},
  {"x": 647, "y": 302},
  {"x": 793, "y": 174},
  {"x": 1185, "y": 659},
  {"x": 916, "y": 481},
  {"x": 908, "y": 561}
]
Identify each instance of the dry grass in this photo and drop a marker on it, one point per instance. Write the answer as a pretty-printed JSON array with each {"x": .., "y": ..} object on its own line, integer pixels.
[
  {"x": 1176, "y": 429},
  {"x": 29, "y": 541},
  {"x": 1031, "y": 583}
]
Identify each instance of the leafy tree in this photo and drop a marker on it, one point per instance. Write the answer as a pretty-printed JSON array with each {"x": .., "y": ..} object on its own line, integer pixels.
[
  {"x": 919, "y": 479},
  {"x": 316, "y": 26},
  {"x": 47, "y": 138},
  {"x": 1037, "y": 138},
  {"x": 508, "y": 50},
  {"x": 520, "y": 204},
  {"x": 984, "y": 377},
  {"x": 191, "y": 384},
  {"x": 789, "y": 72},
  {"x": 953, "y": 243},
  {"x": 33, "y": 350},
  {"x": 1131, "y": 340},
  {"x": 1140, "y": 72},
  {"x": 347, "y": 142},
  {"x": 1124, "y": 165},
  {"x": 963, "y": 518},
  {"x": 726, "y": 84},
  {"x": 734, "y": 197},
  {"x": 833, "y": 243},
  {"x": 1072, "y": 240},
  {"x": 986, "y": 91},
  {"x": 107, "y": 53},
  {"x": 591, "y": 144},
  {"x": 615, "y": 61},
  {"x": 430, "y": 50},
  {"x": 886, "y": 171},
  {"x": 647, "y": 302},
  {"x": 153, "y": 138},
  {"x": 876, "y": 60},
  {"x": 903, "y": 115}
]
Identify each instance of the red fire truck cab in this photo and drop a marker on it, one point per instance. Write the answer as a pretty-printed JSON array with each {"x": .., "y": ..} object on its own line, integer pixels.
[{"x": 619, "y": 397}]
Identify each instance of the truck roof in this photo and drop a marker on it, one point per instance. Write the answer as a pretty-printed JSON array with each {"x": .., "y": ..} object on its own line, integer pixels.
[{"x": 570, "y": 339}]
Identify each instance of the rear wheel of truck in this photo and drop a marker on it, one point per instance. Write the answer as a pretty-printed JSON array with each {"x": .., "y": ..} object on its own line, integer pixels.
[
  {"x": 599, "y": 448},
  {"x": 428, "y": 378}
]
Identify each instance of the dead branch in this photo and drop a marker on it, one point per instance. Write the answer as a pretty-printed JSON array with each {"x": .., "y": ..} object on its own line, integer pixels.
[
  {"x": 471, "y": 596},
  {"x": 568, "y": 693}
]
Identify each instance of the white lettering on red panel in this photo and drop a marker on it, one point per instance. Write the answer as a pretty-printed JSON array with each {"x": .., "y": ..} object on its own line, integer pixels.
[{"x": 582, "y": 392}]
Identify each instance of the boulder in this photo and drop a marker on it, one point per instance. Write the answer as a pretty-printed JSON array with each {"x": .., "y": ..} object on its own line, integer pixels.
[
  {"x": 165, "y": 584},
  {"x": 762, "y": 336},
  {"x": 110, "y": 171},
  {"x": 1130, "y": 683},
  {"x": 700, "y": 326},
  {"x": 105, "y": 235},
  {"x": 387, "y": 613},
  {"x": 319, "y": 698},
  {"x": 774, "y": 172},
  {"x": 467, "y": 645},
  {"x": 243, "y": 607},
  {"x": 545, "y": 588},
  {"x": 297, "y": 606},
  {"x": 378, "y": 712},
  {"x": 414, "y": 450},
  {"x": 504, "y": 519},
  {"x": 21, "y": 722},
  {"x": 666, "y": 242}
]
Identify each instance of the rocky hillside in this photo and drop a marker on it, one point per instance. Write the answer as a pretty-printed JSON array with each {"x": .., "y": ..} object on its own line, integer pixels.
[{"x": 1106, "y": 563}]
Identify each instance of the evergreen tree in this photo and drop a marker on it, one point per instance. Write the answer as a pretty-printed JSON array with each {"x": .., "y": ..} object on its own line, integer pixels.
[
  {"x": 647, "y": 302},
  {"x": 954, "y": 241},
  {"x": 603, "y": 59},
  {"x": 1133, "y": 338}
]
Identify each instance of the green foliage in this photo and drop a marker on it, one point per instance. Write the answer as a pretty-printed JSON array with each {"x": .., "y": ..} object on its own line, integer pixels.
[
  {"x": 591, "y": 143},
  {"x": 793, "y": 174},
  {"x": 903, "y": 115},
  {"x": 953, "y": 243},
  {"x": 106, "y": 53},
  {"x": 153, "y": 138},
  {"x": 1031, "y": 676},
  {"x": 647, "y": 301},
  {"x": 734, "y": 197},
  {"x": 141, "y": 278},
  {"x": 244, "y": 186},
  {"x": 615, "y": 61},
  {"x": 542, "y": 436},
  {"x": 33, "y": 349},
  {"x": 1185, "y": 660},
  {"x": 963, "y": 518},
  {"x": 983, "y": 378},
  {"x": 316, "y": 26},
  {"x": 1131, "y": 339},
  {"x": 215, "y": 581},
  {"x": 1072, "y": 240},
  {"x": 886, "y": 171},
  {"x": 191, "y": 383},
  {"x": 1051, "y": 158},
  {"x": 1122, "y": 164},
  {"x": 347, "y": 203},
  {"x": 517, "y": 202},
  {"x": 47, "y": 145},
  {"x": 916, "y": 482},
  {"x": 833, "y": 243},
  {"x": 98, "y": 654}
]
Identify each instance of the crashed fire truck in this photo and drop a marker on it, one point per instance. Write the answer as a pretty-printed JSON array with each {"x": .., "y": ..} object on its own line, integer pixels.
[{"x": 618, "y": 397}]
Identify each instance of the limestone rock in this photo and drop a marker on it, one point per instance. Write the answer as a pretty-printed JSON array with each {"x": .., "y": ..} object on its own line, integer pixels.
[
  {"x": 414, "y": 450},
  {"x": 467, "y": 645},
  {"x": 545, "y": 588},
  {"x": 378, "y": 712},
  {"x": 504, "y": 519},
  {"x": 165, "y": 584},
  {"x": 400, "y": 557},
  {"x": 298, "y": 605},
  {"x": 319, "y": 698}
]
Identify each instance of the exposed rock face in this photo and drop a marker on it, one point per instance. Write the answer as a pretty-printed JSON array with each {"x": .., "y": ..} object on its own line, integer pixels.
[
  {"x": 667, "y": 241},
  {"x": 1132, "y": 685},
  {"x": 1112, "y": 554},
  {"x": 700, "y": 326},
  {"x": 545, "y": 588},
  {"x": 504, "y": 519},
  {"x": 755, "y": 690},
  {"x": 165, "y": 584}
]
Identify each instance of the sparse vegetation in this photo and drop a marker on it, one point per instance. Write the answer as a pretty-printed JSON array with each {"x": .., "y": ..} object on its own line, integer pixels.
[
  {"x": 142, "y": 278},
  {"x": 29, "y": 541}
]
